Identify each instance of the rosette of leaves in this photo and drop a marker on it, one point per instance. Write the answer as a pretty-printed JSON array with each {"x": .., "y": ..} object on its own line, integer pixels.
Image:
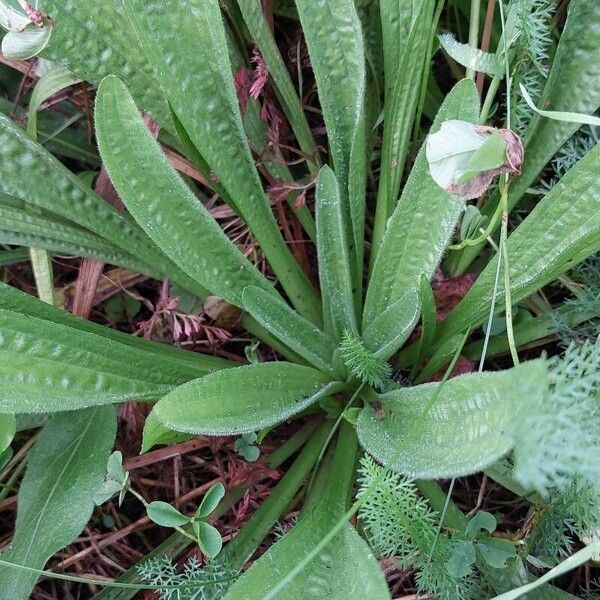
[{"x": 339, "y": 340}]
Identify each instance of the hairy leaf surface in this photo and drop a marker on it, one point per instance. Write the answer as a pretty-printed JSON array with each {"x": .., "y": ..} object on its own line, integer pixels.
[
  {"x": 466, "y": 425},
  {"x": 200, "y": 89},
  {"x": 420, "y": 228},
  {"x": 246, "y": 399}
]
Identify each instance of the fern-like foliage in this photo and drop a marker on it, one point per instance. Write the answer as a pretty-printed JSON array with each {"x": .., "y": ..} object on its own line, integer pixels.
[
  {"x": 362, "y": 363},
  {"x": 197, "y": 581},
  {"x": 400, "y": 523},
  {"x": 574, "y": 150},
  {"x": 532, "y": 21},
  {"x": 586, "y": 304},
  {"x": 564, "y": 444},
  {"x": 570, "y": 514}
]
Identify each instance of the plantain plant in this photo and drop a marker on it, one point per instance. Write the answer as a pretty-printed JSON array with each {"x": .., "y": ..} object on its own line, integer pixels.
[{"x": 348, "y": 366}]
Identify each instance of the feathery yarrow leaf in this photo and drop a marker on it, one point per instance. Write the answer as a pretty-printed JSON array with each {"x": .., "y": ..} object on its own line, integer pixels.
[
  {"x": 564, "y": 444},
  {"x": 362, "y": 363}
]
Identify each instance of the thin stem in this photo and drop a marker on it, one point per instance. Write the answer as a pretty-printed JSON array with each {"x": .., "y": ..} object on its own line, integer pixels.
[
  {"x": 292, "y": 444},
  {"x": 507, "y": 293},
  {"x": 489, "y": 98},
  {"x": 105, "y": 583},
  {"x": 237, "y": 552},
  {"x": 474, "y": 31},
  {"x": 332, "y": 433},
  {"x": 326, "y": 539}
]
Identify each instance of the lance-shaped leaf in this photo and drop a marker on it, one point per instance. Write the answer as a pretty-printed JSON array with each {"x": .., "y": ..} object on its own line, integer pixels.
[
  {"x": 454, "y": 428},
  {"x": 94, "y": 40},
  {"x": 161, "y": 202},
  {"x": 30, "y": 173},
  {"x": 288, "y": 326},
  {"x": 386, "y": 334},
  {"x": 65, "y": 469},
  {"x": 158, "y": 356},
  {"x": 245, "y": 399},
  {"x": 48, "y": 367},
  {"x": 199, "y": 86},
  {"x": 422, "y": 224},
  {"x": 346, "y": 568},
  {"x": 335, "y": 43},
  {"x": 334, "y": 260},
  {"x": 255, "y": 20},
  {"x": 406, "y": 28},
  {"x": 562, "y": 230},
  {"x": 469, "y": 57},
  {"x": 24, "y": 228}
]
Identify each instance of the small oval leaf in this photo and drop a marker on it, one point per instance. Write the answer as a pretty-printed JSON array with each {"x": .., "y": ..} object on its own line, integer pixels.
[
  {"x": 211, "y": 500},
  {"x": 165, "y": 515}
]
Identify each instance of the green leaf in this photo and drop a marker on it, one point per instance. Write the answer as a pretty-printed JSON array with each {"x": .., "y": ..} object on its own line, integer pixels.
[
  {"x": 469, "y": 57},
  {"x": 55, "y": 79},
  {"x": 93, "y": 40},
  {"x": 249, "y": 398},
  {"x": 155, "y": 433},
  {"x": 211, "y": 500},
  {"x": 21, "y": 45},
  {"x": 334, "y": 39},
  {"x": 209, "y": 538},
  {"x": 22, "y": 227},
  {"x": 389, "y": 330},
  {"x": 562, "y": 230},
  {"x": 171, "y": 361},
  {"x": 30, "y": 173},
  {"x": 496, "y": 552},
  {"x": 8, "y": 428},
  {"x": 407, "y": 29},
  {"x": 275, "y": 315},
  {"x": 48, "y": 367},
  {"x": 254, "y": 17},
  {"x": 162, "y": 513},
  {"x": 345, "y": 569},
  {"x": 423, "y": 221},
  {"x": 64, "y": 470},
  {"x": 482, "y": 520},
  {"x": 461, "y": 560},
  {"x": 114, "y": 466},
  {"x": 207, "y": 107},
  {"x": 162, "y": 204},
  {"x": 334, "y": 259},
  {"x": 466, "y": 429}
]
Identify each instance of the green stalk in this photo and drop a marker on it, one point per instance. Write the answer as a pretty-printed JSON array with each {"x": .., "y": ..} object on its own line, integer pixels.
[
  {"x": 292, "y": 444},
  {"x": 474, "y": 31},
  {"x": 243, "y": 545}
]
